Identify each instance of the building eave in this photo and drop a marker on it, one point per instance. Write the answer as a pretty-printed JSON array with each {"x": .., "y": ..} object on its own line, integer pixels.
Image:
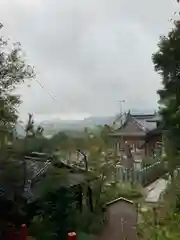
[{"x": 121, "y": 134}]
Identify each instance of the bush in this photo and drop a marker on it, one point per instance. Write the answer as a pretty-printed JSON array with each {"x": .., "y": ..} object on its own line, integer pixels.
[
  {"x": 91, "y": 223},
  {"x": 148, "y": 162},
  {"x": 172, "y": 195},
  {"x": 158, "y": 226},
  {"x": 56, "y": 216}
]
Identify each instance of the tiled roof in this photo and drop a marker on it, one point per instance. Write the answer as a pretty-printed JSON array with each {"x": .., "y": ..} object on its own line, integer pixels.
[
  {"x": 143, "y": 123},
  {"x": 41, "y": 169},
  {"x": 124, "y": 133},
  {"x": 156, "y": 118},
  {"x": 36, "y": 167},
  {"x": 148, "y": 126},
  {"x": 147, "y": 121},
  {"x": 37, "y": 171},
  {"x": 72, "y": 179}
]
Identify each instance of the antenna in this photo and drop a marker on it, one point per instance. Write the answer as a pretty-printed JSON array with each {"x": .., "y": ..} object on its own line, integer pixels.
[{"x": 121, "y": 109}]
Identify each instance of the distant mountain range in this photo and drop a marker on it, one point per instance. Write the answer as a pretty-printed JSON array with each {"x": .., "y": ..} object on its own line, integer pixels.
[
  {"x": 70, "y": 126},
  {"x": 52, "y": 127}
]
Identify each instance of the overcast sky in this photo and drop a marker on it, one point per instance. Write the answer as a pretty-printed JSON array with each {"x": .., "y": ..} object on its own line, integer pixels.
[{"x": 88, "y": 54}]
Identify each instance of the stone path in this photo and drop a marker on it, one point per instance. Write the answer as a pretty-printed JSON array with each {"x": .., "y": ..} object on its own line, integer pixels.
[
  {"x": 122, "y": 222},
  {"x": 155, "y": 190}
]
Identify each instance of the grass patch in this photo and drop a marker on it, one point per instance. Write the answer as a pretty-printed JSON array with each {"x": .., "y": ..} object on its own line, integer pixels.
[{"x": 118, "y": 190}]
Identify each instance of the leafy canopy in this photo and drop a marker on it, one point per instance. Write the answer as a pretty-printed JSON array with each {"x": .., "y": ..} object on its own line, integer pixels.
[
  {"x": 13, "y": 72},
  {"x": 167, "y": 63}
]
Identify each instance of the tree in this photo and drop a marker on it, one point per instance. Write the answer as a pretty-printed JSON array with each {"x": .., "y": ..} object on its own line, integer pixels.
[
  {"x": 100, "y": 162},
  {"x": 167, "y": 63},
  {"x": 13, "y": 72},
  {"x": 34, "y": 140},
  {"x": 57, "y": 217},
  {"x": 61, "y": 141},
  {"x": 54, "y": 213},
  {"x": 30, "y": 128}
]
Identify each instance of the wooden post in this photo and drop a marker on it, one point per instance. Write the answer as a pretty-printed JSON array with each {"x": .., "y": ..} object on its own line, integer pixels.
[{"x": 72, "y": 236}]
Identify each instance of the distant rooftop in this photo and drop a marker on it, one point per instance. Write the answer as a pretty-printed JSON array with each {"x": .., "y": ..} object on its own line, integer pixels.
[
  {"x": 143, "y": 116},
  {"x": 146, "y": 122},
  {"x": 39, "y": 170}
]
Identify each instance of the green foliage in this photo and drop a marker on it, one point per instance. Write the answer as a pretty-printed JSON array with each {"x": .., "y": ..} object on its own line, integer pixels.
[
  {"x": 84, "y": 236},
  {"x": 156, "y": 227},
  {"x": 52, "y": 182},
  {"x": 29, "y": 145},
  {"x": 11, "y": 177},
  {"x": 163, "y": 222},
  {"x": 57, "y": 216},
  {"x": 91, "y": 223},
  {"x": 62, "y": 142},
  {"x": 166, "y": 229},
  {"x": 37, "y": 145},
  {"x": 172, "y": 195},
  {"x": 103, "y": 163},
  {"x": 117, "y": 190},
  {"x": 13, "y": 71},
  {"x": 34, "y": 141},
  {"x": 103, "y": 132},
  {"x": 167, "y": 63},
  {"x": 148, "y": 162}
]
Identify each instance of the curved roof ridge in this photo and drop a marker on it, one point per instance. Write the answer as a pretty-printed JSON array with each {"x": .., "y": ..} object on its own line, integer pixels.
[{"x": 138, "y": 124}]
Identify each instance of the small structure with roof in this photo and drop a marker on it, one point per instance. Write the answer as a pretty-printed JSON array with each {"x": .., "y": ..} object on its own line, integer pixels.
[{"x": 39, "y": 169}]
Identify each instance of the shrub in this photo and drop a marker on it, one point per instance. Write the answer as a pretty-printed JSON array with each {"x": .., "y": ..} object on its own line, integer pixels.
[
  {"x": 91, "y": 223},
  {"x": 148, "y": 162},
  {"x": 118, "y": 190},
  {"x": 157, "y": 227},
  {"x": 153, "y": 173}
]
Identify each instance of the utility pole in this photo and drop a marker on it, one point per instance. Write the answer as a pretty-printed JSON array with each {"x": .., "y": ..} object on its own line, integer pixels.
[{"x": 120, "y": 144}]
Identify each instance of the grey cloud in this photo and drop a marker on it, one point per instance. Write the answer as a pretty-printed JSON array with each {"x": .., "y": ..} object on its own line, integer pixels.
[{"x": 88, "y": 53}]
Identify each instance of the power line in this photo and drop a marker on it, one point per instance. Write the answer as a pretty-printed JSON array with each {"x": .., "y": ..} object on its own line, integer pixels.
[{"x": 40, "y": 84}]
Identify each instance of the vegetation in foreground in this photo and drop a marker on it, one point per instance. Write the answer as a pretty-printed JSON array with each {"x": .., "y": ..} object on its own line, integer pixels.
[
  {"x": 164, "y": 222},
  {"x": 53, "y": 222}
]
